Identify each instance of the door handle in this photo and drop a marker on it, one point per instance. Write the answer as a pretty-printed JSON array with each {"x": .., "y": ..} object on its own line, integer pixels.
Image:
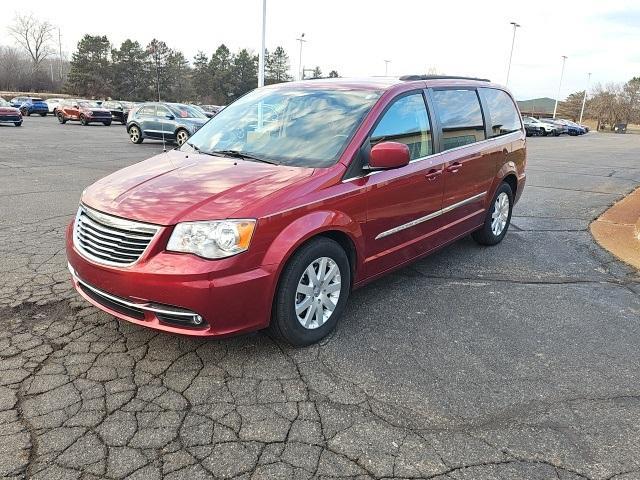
[
  {"x": 432, "y": 174},
  {"x": 454, "y": 167}
]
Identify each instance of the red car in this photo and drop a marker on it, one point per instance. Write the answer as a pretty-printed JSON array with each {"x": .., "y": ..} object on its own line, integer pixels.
[
  {"x": 294, "y": 195},
  {"x": 9, "y": 114},
  {"x": 84, "y": 111}
]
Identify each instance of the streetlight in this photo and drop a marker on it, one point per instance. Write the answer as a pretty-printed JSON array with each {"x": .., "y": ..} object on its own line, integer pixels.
[
  {"x": 584, "y": 99},
  {"x": 261, "y": 58},
  {"x": 386, "y": 67},
  {"x": 300, "y": 70},
  {"x": 513, "y": 41},
  {"x": 555, "y": 108}
]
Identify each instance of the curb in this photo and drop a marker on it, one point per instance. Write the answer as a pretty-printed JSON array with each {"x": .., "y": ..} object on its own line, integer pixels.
[{"x": 618, "y": 229}]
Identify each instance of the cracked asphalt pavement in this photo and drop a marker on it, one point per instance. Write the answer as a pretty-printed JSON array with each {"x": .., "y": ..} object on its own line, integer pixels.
[{"x": 519, "y": 361}]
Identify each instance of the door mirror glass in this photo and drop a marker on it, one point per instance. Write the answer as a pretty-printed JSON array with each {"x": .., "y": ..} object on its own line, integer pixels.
[{"x": 387, "y": 155}]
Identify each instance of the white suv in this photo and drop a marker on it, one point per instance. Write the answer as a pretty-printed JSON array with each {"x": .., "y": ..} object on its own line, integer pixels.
[{"x": 545, "y": 128}]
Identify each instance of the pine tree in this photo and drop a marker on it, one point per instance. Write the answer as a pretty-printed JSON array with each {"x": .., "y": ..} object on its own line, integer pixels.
[
  {"x": 130, "y": 73},
  {"x": 277, "y": 66},
  {"x": 245, "y": 73},
  {"x": 89, "y": 74},
  {"x": 220, "y": 68},
  {"x": 202, "y": 78}
]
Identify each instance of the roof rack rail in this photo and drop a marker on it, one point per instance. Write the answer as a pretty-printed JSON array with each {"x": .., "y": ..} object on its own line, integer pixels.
[{"x": 409, "y": 78}]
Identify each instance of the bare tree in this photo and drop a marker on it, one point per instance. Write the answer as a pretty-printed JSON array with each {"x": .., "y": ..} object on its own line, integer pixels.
[{"x": 34, "y": 36}]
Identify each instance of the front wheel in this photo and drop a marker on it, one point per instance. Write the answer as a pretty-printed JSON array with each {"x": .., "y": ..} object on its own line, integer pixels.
[
  {"x": 17, "y": 124},
  {"x": 181, "y": 137},
  {"x": 25, "y": 112},
  {"x": 498, "y": 218},
  {"x": 61, "y": 118},
  {"x": 312, "y": 293},
  {"x": 106, "y": 123},
  {"x": 134, "y": 134},
  {"x": 83, "y": 120}
]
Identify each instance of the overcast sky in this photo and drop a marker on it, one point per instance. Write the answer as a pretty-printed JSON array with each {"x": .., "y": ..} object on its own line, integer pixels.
[{"x": 460, "y": 37}]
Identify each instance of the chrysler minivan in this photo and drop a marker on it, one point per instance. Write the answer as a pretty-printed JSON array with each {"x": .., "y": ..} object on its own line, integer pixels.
[{"x": 294, "y": 195}]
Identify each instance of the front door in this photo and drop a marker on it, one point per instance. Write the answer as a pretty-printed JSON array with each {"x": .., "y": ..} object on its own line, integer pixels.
[{"x": 402, "y": 203}]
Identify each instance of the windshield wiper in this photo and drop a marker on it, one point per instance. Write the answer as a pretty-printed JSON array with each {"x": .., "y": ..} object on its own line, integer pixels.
[
  {"x": 199, "y": 150},
  {"x": 243, "y": 155}
]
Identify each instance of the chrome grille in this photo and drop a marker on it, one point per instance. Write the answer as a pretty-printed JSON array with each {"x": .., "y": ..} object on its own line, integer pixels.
[{"x": 110, "y": 240}]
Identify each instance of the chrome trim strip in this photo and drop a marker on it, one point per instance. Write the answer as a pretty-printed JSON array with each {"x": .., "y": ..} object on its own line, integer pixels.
[
  {"x": 117, "y": 222},
  {"x": 126, "y": 303},
  {"x": 431, "y": 216}
]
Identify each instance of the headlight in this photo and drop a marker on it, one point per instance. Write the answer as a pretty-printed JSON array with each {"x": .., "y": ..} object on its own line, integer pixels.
[{"x": 215, "y": 239}]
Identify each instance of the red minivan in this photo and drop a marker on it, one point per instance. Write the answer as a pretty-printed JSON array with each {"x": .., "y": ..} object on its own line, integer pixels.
[{"x": 294, "y": 195}]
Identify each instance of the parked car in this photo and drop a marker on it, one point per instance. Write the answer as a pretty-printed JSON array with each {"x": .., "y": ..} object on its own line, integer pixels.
[
  {"x": 84, "y": 111},
  {"x": 173, "y": 122},
  {"x": 52, "y": 104},
  {"x": 205, "y": 112},
  {"x": 29, "y": 105},
  {"x": 255, "y": 223},
  {"x": 545, "y": 127},
  {"x": 213, "y": 108},
  {"x": 573, "y": 128},
  {"x": 9, "y": 114},
  {"x": 119, "y": 110},
  {"x": 531, "y": 128}
]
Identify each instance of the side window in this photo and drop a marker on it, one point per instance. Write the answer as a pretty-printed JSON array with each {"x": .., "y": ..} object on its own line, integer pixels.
[
  {"x": 460, "y": 116},
  {"x": 504, "y": 116},
  {"x": 162, "y": 111},
  {"x": 406, "y": 121},
  {"x": 148, "y": 111}
]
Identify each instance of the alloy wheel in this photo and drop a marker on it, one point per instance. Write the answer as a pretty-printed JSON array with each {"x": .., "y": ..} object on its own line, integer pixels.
[
  {"x": 500, "y": 214},
  {"x": 182, "y": 137},
  {"x": 134, "y": 134},
  {"x": 318, "y": 293}
]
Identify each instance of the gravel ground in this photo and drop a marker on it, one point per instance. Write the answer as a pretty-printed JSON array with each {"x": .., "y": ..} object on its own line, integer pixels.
[{"x": 519, "y": 361}]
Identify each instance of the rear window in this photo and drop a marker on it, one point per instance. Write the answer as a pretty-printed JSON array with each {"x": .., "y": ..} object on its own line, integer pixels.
[
  {"x": 460, "y": 117},
  {"x": 37, "y": 100},
  {"x": 504, "y": 116}
]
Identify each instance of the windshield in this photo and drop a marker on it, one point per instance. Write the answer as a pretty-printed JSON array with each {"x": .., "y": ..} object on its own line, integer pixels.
[
  {"x": 87, "y": 104},
  {"x": 4, "y": 103},
  {"x": 186, "y": 111},
  {"x": 306, "y": 127}
]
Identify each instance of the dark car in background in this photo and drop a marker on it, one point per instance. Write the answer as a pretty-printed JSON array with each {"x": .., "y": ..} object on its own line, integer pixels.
[
  {"x": 174, "y": 122},
  {"x": 29, "y": 105},
  {"x": 9, "y": 114},
  {"x": 119, "y": 110},
  {"x": 84, "y": 111},
  {"x": 567, "y": 127}
]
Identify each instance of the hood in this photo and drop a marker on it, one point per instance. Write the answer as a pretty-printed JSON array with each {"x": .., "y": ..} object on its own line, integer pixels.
[
  {"x": 173, "y": 187},
  {"x": 9, "y": 110},
  {"x": 96, "y": 109}
]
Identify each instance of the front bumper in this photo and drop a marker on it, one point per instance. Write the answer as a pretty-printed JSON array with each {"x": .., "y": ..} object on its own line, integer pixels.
[
  {"x": 10, "y": 118},
  {"x": 173, "y": 292}
]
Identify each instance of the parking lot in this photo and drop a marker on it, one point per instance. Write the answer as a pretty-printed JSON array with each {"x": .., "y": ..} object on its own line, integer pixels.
[{"x": 517, "y": 361}]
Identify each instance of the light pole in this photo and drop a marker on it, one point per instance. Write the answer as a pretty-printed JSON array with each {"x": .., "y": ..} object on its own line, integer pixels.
[
  {"x": 513, "y": 42},
  {"x": 584, "y": 99},
  {"x": 555, "y": 108},
  {"x": 300, "y": 70},
  {"x": 386, "y": 67},
  {"x": 261, "y": 58}
]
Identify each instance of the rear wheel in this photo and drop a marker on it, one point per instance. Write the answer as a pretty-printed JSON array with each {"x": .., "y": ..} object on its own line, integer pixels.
[
  {"x": 43, "y": 114},
  {"x": 83, "y": 120},
  {"x": 182, "y": 136},
  {"x": 312, "y": 293},
  {"x": 498, "y": 218},
  {"x": 61, "y": 118},
  {"x": 134, "y": 134}
]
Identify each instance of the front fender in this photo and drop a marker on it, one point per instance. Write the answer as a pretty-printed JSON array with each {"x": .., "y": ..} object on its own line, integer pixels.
[{"x": 304, "y": 228}]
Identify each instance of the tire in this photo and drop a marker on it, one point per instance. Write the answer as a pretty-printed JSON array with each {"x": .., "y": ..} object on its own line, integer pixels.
[
  {"x": 61, "y": 118},
  {"x": 17, "y": 124},
  {"x": 43, "y": 114},
  {"x": 25, "y": 112},
  {"x": 135, "y": 135},
  {"x": 296, "y": 288},
  {"x": 83, "y": 120},
  {"x": 107, "y": 123},
  {"x": 544, "y": 132},
  {"x": 181, "y": 136},
  {"x": 494, "y": 230}
]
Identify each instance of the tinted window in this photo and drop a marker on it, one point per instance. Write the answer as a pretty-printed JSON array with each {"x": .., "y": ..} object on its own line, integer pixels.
[
  {"x": 460, "y": 116},
  {"x": 148, "y": 111},
  {"x": 162, "y": 111},
  {"x": 504, "y": 116},
  {"x": 406, "y": 121}
]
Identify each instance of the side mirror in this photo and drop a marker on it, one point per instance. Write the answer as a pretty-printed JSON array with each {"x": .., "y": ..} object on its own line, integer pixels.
[
  {"x": 170, "y": 117},
  {"x": 388, "y": 155}
]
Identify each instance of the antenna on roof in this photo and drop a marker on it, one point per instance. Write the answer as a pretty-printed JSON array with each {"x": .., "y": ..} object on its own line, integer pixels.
[{"x": 155, "y": 54}]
